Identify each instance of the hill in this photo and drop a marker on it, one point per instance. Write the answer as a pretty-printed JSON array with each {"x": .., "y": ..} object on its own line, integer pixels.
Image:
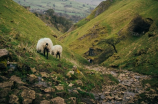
[
  {"x": 67, "y": 8},
  {"x": 126, "y": 27},
  {"x": 27, "y": 76}
]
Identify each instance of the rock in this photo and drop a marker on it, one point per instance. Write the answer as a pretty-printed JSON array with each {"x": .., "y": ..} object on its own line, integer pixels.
[
  {"x": 16, "y": 79},
  {"x": 3, "y": 52},
  {"x": 70, "y": 85},
  {"x": 3, "y": 78},
  {"x": 73, "y": 100},
  {"x": 58, "y": 100},
  {"x": 4, "y": 92},
  {"x": 6, "y": 84},
  {"x": 27, "y": 101},
  {"x": 45, "y": 102},
  {"x": 70, "y": 73},
  {"x": 28, "y": 95},
  {"x": 44, "y": 74},
  {"x": 59, "y": 88},
  {"x": 49, "y": 89},
  {"x": 13, "y": 99},
  {"x": 107, "y": 93},
  {"x": 79, "y": 82},
  {"x": 32, "y": 77},
  {"x": 33, "y": 70},
  {"x": 75, "y": 91},
  {"x": 147, "y": 85},
  {"x": 23, "y": 87},
  {"x": 109, "y": 98}
]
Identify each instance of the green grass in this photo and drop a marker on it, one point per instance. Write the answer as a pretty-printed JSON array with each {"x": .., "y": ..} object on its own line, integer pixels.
[
  {"x": 19, "y": 32},
  {"x": 108, "y": 24}
]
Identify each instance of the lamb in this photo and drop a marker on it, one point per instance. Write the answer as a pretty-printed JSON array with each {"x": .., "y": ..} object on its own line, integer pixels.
[
  {"x": 57, "y": 50},
  {"x": 44, "y": 44}
]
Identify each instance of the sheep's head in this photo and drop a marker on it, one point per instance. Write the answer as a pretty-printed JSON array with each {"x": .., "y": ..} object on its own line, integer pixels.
[{"x": 47, "y": 47}]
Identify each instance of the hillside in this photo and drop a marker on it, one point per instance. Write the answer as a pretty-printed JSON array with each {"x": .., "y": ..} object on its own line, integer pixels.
[
  {"x": 27, "y": 76},
  {"x": 129, "y": 26},
  {"x": 67, "y": 8}
]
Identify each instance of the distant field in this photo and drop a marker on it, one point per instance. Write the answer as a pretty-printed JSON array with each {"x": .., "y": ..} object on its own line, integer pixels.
[{"x": 70, "y": 7}]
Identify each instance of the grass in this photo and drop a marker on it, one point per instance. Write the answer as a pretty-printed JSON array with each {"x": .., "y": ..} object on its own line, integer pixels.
[{"x": 19, "y": 32}]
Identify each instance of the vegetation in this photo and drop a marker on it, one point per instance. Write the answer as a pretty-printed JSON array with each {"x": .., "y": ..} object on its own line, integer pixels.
[
  {"x": 67, "y": 8},
  {"x": 52, "y": 20},
  {"x": 136, "y": 50},
  {"x": 19, "y": 32}
]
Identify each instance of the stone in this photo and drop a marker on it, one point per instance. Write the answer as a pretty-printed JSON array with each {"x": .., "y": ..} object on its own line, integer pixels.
[
  {"x": 44, "y": 74},
  {"x": 16, "y": 79},
  {"x": 6, "y": 84},
  {"x": 3, "y": 52},
  {"x": 79, "y": 82},
  {"x": 27, "y": 101},
  {"x": 73, "y": 100},
  {"x": 75, "y": 91},
  {"x": 13, "y": 99},
  {"x": 45, "y": 102},
  {"x": 70, "y": 85},
  {"x": 70, "y": 73},
  {"x": 4, "y": 92},
  {"x": 58, "y": 100},
  {"x": 59, "y": 88},
  {"x": 32, "y": 77},
  {"x": 33, "y": 70},
  {"x": 49, "y": 89},
  {"x": 28, "y": 94}
]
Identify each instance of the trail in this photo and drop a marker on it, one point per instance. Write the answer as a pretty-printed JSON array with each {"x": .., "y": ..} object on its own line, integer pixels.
[{"x": 126, "y": 91}]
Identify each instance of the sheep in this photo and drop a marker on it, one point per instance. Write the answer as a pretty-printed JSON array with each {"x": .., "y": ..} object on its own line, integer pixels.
[
  {"x": 57, "y": 50},
  {"x": 44, "y": 44}
]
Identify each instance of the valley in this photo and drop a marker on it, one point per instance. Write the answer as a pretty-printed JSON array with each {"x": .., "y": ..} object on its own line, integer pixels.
[{"x": 108, "y": 57}]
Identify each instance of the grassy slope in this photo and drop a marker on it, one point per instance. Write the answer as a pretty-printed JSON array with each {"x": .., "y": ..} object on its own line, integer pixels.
[
  {"x": 118, "y": 16},
  {"x": 19, "y": 32},
  {"x": 76, "y": 7}
]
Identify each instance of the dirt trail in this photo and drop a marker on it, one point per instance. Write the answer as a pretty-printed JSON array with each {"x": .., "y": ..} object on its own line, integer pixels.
[{"x": 126, "y": 91}]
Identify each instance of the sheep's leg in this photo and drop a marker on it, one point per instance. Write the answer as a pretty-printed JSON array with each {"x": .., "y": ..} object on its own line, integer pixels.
[
  {"x": 44, "y": 51},
  {"x": 47, "y": 53},
  {"x": 59, "y": 55}
]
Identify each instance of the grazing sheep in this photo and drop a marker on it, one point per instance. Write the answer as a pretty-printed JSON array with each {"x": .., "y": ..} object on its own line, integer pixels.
[
  {"x": 57, "y": 50},
  {"x": 44, "y": 44}
]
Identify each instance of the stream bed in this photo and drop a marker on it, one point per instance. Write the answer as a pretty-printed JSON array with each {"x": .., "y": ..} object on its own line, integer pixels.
[{"x": 125, "y": 92}]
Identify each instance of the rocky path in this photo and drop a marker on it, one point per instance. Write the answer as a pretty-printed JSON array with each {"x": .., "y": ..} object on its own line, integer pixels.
[{"x": 126, "y": 91}]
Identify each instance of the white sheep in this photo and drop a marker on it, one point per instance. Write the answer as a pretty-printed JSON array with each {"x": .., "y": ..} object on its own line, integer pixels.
[
  {"x": 57, "y": 50},
  {"x": 44, "y": 44}
]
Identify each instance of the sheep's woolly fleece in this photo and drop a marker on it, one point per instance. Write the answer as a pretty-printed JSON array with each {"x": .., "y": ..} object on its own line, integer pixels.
[
  {"x": 42, "y": 43},
  {"x": 56, "y": 49}
]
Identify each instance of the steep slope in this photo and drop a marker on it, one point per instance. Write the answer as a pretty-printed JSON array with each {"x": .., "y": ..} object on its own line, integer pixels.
[
  {"x": 122, "y": 24},
  {"x": 27, "y": 76}
]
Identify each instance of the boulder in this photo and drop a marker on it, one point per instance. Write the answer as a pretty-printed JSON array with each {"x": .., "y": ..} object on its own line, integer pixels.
[
  {"x": 16, "y": 79},
  {"x": 3, "y": 52},
  {"x": 4, "y": 92},
  {"x": 28, "y": 96},
  {"x": 6, "y": 84},
  {"x": 59, "y": 88},
  {"x": 73, "y": 100},
  {"x": 70, "y": 73},
  {"x": 13, "y": 99},
  {"x": 79, "y": 82},
  {"x": 49, "y": 89},
  {"x": 58, "y": 100},
  {"x": 45, "y": 102},
  {"x": 44, "y": 74}
]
